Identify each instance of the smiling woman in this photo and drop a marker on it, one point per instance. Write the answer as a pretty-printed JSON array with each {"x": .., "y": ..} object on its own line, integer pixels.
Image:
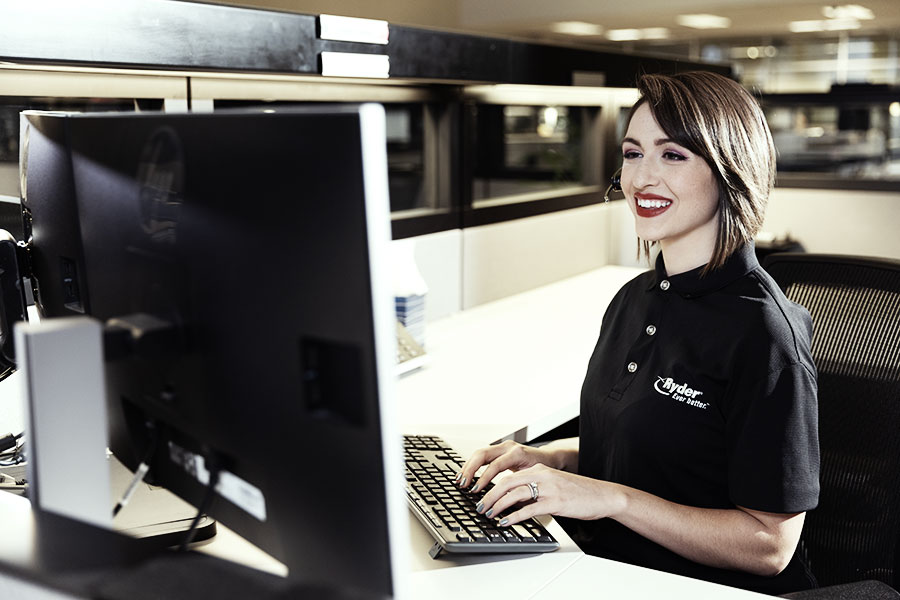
[
  {"x": 698, "y": 444},
  {"x": 702, "y": 130}
]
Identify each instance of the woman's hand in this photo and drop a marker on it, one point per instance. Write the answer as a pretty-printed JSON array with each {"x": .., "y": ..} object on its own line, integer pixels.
[
  {"x": 513, "y": 456},
  {"x": 541, "y": 490}
]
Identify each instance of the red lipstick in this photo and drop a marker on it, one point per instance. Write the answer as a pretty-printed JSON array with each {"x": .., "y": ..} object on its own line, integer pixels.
[{"x": 651, "y": 205}]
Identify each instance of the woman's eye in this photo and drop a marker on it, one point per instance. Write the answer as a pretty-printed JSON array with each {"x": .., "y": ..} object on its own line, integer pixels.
[
  {"x": 630, "y": 154},
  {"x": 670, "y": 155}
]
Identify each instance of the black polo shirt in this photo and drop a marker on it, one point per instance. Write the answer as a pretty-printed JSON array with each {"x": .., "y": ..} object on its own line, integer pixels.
[{"x": 702, "y": 391}]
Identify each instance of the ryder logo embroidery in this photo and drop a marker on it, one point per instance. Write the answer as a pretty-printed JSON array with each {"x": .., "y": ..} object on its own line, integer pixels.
[{"x": 679, "y": 391}]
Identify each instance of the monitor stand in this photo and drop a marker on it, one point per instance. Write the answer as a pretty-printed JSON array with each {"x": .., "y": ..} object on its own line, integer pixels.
[
  {"x": 154, "y": 515},
  {"x": 65, "y": 417},
  {"x": 72, "y": 474}
]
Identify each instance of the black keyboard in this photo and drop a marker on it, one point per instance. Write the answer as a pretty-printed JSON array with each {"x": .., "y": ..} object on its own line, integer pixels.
[{"x": 448, "y": 513}]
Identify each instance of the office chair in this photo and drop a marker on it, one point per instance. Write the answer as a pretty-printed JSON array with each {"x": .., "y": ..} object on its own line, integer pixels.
[{"x": 854, "y": 533}]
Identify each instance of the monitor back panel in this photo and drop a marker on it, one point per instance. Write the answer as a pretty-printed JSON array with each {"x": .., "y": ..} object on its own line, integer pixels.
[{"x": 245, "y": 235}]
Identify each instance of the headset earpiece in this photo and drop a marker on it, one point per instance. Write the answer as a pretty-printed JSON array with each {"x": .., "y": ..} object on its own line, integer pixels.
[{"x": 615, "y": 184}]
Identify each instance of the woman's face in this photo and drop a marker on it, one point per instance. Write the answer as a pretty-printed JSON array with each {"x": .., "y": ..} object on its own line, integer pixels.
[{"x": 671, "y": 191}]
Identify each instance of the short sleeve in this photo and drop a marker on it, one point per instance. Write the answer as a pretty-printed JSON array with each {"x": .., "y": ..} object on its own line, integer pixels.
[{"x": 773, "y": 461}]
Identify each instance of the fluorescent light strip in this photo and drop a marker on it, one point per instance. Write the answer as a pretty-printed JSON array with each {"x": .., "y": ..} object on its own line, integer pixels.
[
  {"x": 578, "y": 28},
  {"x": 623, "y": 35},
  {"x": 848, "y": 11},
  {"x": 703, "y": 21},
  {"x": 655, "y": 33},
  {"x": 823, "y": 25},
  {"x": 629, "y": 35}
]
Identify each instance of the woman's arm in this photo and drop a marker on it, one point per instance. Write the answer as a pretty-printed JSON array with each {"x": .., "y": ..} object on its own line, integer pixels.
[{"x": 739, "y": 538}]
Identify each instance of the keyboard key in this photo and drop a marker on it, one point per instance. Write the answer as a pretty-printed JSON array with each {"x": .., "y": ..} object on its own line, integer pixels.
[
  {"x": 496, "y": 536},
  {"x": 523, "y": 533}
]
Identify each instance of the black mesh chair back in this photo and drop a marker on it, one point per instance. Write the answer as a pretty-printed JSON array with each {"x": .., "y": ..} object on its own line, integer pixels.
[{"x": 855, "y": 307}]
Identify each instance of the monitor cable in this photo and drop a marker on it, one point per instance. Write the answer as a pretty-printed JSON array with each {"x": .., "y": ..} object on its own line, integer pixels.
[
  {"x": 214, "y": 471},
  {"x": 11, "y": 449},
  {"x": 141, "y": 472},
  {"x": 9, "y": 441}
]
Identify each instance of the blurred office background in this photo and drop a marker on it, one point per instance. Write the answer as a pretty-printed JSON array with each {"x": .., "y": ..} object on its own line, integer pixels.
[
  {"x": 828, "y": 75},
  {"x": 775, "y": 46},
  {"x": 500, "y": 187}
]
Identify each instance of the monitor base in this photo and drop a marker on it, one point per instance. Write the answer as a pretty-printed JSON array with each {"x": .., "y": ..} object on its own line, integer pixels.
[{"x": 154, "y": 515}]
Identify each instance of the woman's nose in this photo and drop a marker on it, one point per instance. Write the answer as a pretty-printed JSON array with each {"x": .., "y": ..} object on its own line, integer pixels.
[{"x": 643, "y": 174}]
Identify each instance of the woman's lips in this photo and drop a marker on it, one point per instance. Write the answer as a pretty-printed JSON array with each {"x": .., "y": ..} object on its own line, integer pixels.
[{"x": 651, "y": 205}]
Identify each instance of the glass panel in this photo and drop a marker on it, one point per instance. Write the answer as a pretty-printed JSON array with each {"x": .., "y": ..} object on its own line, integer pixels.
[
  {"x": 405, "y": 124},
  {"x": 527, "y": 152},
  {"x": 853, "y": 140},
  {"x": 406, "y": 157}
]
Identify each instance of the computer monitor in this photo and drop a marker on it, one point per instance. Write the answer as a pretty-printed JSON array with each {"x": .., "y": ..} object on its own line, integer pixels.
[
  {"x": 50, "y": 217},
  {"x": 241, "y": 255}
]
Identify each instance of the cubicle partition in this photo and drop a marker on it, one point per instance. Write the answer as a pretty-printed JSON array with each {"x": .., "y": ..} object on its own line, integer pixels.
[{"x": 509, "y": 178}]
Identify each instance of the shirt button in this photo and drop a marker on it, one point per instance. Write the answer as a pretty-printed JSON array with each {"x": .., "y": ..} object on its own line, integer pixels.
[
  {"x": 664, "y": 285},
  {"x": 632, "y": 367},
  {"x": 651, "y": 329}
]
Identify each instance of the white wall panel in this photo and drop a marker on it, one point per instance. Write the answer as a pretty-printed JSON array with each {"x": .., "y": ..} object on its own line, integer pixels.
[
  {"x": 512, "y": 257},
  {"x": 837, "y": 221},
  {"x": 438, "y": 257}
]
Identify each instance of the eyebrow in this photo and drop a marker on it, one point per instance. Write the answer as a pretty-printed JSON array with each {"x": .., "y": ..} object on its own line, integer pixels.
[{"x": 658, "y": 142}]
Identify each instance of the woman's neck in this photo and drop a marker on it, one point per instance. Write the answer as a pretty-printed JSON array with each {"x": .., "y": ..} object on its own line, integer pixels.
[{"x": 685, "y": 254}]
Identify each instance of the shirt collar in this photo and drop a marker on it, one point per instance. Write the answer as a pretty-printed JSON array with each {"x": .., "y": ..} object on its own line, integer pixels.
[{"x": 691, "y": 284}]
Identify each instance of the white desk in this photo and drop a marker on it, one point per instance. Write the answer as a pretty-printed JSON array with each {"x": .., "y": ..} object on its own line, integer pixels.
[
  {"x": 514, "y": 363},
  {"x": 592, "y": 577}
]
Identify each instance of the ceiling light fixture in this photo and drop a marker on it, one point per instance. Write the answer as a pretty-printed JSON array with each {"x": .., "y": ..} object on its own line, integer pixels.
[
  {"x": 623, "y": 35},
  {"x": 806, "y": 26},
  {"x": 703, "y": 21},
  {"x": 841, "y": 24},
  {"x": 848, "y": 11},
  {"x": 823, "y": 25},
  {"x": 579, "y": 28},
  {"x": 655, "y": 33},
  {"x": 630, "y": 35}
]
